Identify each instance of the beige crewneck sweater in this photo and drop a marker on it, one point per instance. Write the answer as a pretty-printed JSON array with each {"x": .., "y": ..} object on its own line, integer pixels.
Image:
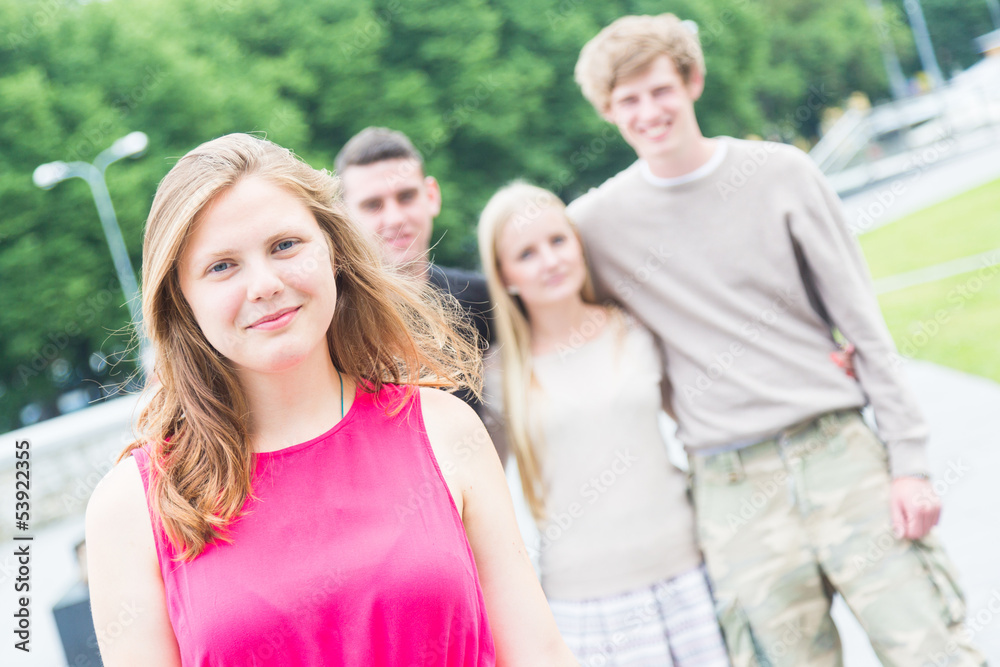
[{"x": 709, "y": 265}]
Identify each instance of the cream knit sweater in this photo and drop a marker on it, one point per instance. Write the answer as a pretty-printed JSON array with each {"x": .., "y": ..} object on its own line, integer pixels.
[{"x": 709, "y": 264}]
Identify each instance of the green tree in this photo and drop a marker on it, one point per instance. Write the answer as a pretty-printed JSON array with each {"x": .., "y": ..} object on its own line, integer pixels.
[
  {"x": 953, "y": 25},
  {"x": 484, "y": 87},
  {"x": 819, "y": 53}
]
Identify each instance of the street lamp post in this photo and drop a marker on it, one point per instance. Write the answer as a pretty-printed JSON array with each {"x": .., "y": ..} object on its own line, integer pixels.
[
  {"x": 46, "y": 176},
  {"x": 994, "y": 12},
  {"x": 897, "y": 82},
  {"x": 923, "y": 40}
]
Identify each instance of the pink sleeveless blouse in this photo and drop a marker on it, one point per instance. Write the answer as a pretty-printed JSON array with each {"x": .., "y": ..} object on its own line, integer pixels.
[{"x": 351, "y": 552}]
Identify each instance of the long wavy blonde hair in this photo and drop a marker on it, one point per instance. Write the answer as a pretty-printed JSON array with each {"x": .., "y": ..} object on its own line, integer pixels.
[
  {"x": 389, "y": 329},
  {"x": 518, "y": 203}
]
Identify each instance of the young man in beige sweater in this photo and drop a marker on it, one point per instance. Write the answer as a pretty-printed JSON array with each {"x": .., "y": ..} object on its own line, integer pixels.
[{"x": 736, "y": 255}]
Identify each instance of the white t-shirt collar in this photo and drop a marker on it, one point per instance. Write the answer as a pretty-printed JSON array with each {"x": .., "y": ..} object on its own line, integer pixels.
[{"x": 704, "y": 170}]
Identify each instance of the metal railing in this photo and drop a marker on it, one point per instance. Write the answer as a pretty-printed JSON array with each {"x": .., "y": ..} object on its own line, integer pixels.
[
  {"x": 865, "y": 147},
  {"x": 69, "y": 454}
]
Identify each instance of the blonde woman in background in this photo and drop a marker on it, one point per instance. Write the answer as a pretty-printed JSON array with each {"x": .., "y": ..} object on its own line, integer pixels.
[
  {"x": 581, "y": 395},
  {"x": 299, "y": 494}
]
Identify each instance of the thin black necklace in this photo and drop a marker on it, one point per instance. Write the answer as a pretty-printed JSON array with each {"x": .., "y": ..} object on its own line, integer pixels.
[{"x": 341, "y": 393}]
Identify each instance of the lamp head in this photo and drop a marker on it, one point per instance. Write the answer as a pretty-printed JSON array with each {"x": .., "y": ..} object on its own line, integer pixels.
[
  {"x": 132, "y": 144},
  {"x": 47, "y": 175}
]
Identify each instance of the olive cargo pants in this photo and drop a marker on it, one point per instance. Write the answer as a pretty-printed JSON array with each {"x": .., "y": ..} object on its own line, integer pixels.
[{"x": 785, "y": 522}]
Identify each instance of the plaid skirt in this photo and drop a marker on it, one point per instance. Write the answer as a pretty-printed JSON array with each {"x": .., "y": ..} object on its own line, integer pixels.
[{"x": 671, "y": 623}]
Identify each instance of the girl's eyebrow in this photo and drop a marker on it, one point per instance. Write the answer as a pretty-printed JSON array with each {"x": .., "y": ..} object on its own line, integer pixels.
[{"x": 271, "y": 240}]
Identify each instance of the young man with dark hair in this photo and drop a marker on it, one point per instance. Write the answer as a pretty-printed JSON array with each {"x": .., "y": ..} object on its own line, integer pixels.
[
  {"x": 735, "y": 253},
  {"x": 387, "y": 192}
]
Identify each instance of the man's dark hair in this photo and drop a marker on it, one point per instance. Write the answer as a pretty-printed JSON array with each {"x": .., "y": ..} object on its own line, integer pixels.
[{"x": 375, "y": 144}]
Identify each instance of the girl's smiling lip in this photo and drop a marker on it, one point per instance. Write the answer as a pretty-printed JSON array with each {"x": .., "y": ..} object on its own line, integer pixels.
[
  {"x": 275, "y": 320},
  {"x": 555, "y": 279}
]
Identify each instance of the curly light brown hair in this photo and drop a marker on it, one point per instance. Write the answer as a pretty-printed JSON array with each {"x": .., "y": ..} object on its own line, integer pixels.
[{"x": 628, "y": 47}]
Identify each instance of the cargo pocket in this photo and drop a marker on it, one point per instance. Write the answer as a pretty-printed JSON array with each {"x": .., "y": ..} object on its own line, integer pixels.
[
  {"x": 858, "y": 433},
  {"x": 718, "y": 469},
  {"x": 743, "y": 647},
  {"x": 941, "y": 573}
]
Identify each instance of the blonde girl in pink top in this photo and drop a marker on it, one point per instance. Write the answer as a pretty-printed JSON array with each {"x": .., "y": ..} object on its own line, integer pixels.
[{"x": 299, "y": 493}]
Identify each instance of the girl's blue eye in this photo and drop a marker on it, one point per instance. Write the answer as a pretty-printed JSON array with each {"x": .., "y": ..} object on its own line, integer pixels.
[
  {"x": 218, "y": 268},
  {"x": 525, "y": 254},
  {"x": 285, "y": 245}
]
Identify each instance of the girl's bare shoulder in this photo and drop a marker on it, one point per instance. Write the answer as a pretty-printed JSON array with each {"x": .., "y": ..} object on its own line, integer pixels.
[{"x": 119, "y": 499}]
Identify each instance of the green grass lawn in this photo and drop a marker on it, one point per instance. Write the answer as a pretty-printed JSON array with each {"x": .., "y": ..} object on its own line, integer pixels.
[
  {"x": 956, "y": 321},
  {"x": 966, "y": 225},
  {"x": 953, "y": 322}
]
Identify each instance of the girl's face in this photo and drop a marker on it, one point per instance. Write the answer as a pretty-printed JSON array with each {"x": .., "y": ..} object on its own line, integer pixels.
[
  {"x": 258, "y": 275},
  {"x": 541, "y": 258}
]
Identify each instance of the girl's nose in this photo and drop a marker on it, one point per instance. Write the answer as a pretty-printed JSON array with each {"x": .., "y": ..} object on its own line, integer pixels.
[{"x": 264, "y": 282}]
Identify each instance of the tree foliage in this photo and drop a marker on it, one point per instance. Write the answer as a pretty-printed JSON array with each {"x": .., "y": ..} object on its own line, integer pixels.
[
  {"x": 483, "y": 87},
  {"x": 953, "y": 25}
]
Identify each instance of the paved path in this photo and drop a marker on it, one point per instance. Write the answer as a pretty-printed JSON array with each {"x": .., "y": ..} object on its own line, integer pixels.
[
  {"x": 938, "y": 179},
  {"x": 930, "y": 274}
]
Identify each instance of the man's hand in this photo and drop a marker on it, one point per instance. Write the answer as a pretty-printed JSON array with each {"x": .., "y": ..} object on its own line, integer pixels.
[
  {"x": 844, "y": 357},
  {"x": 915, "y": 507}
]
